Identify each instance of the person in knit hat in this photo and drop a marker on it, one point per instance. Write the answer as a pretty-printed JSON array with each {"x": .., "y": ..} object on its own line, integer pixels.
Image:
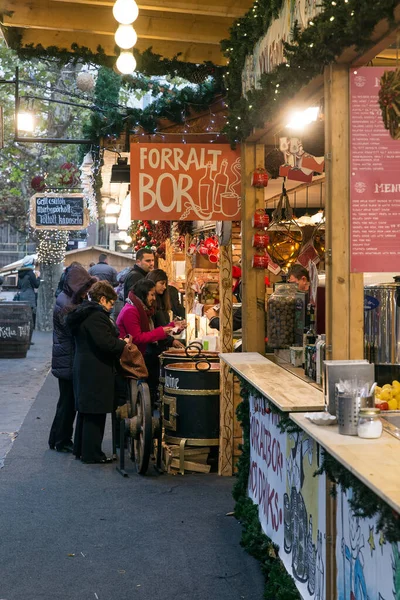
[{"x": 76, "y": 285}]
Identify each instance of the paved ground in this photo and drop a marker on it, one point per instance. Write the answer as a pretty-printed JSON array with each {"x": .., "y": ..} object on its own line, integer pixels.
[
  {"x": 20, "y": 382},
  {"x": 82, "y": 532}
]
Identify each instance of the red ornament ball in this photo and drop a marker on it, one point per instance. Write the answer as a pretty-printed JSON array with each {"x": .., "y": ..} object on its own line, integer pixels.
[
  {"x": 38, "y": 184},
  {"x": 69, "y": 174}
]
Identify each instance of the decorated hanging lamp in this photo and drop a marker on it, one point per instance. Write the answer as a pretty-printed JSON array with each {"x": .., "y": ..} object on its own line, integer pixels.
[
  {"x": 319, "y": 239},
  {"x": 285, "y": 236}
]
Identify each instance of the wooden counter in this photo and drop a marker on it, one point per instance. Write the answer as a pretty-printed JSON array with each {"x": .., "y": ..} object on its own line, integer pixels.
[
  {"x": 374, "y": 462},
  {"x": 287, "y": 391}
]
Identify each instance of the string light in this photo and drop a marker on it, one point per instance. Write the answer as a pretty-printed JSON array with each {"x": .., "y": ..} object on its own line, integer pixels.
[{"x": 51, "y": 246}]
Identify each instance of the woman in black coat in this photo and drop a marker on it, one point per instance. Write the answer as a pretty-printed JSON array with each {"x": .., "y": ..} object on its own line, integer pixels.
[
  {"x": 77, "y": 282},
  {"x": 97, "y": 351}
]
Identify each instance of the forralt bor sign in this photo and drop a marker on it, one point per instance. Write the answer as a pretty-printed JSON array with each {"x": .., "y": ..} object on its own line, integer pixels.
[{"x": 186, "y": 182}]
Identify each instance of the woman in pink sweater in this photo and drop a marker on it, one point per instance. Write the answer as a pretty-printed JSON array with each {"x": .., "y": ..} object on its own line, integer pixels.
[{"x": 135, "y": 318}]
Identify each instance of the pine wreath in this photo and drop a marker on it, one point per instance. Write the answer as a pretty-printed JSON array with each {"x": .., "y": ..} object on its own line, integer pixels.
[{"x": 389, "y": 102}]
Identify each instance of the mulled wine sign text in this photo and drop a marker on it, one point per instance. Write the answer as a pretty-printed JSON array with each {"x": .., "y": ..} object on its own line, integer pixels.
[
  {"x": 52, "y": 211},
  {"x": 185, "y": 182},
  {"x": 374, "y": 181}
]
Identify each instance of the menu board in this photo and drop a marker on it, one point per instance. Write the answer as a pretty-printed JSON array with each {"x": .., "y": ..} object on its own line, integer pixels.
[
  {"x": 52, "y": 211},
  {"x": 374, "y": 179}
]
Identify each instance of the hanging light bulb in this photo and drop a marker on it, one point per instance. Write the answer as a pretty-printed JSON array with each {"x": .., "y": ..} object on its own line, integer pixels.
[
  {"x": 127, "y": 239},
  {"x": 125, "y": 11},
  {"x": 125, "y": 37},
  {"x": 26, "y": 122},
  {"x": 126, "y": 63},
  {"x": 113, "y": 208},
  {"x": 122, "y": 234}
]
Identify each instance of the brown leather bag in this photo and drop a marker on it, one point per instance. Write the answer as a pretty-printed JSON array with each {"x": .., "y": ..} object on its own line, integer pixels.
[{"x": 132, "y": 361}]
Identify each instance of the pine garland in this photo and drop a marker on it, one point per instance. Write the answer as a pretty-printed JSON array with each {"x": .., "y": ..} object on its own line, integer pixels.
[
  {"x": 148, "y": 62},
  {"x": 111, "y": 118},
  {"x": 364, "y": 502},
  {"x": 342, "y": 24}
]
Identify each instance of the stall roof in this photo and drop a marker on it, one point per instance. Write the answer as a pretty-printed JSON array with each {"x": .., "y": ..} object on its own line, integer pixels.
[
  {"x": 190, "y": 29},
  {"x": 100, "y": 250},
  {"x": 17, "y": 264}
]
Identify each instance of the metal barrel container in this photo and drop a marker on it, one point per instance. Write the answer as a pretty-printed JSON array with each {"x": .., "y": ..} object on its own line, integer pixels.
[
  {"x": 382, "y": 322},
  {"x": 191, "y": 403},
  {"x": 15, "y": 329},
  {"x": 183, "y": 355}
]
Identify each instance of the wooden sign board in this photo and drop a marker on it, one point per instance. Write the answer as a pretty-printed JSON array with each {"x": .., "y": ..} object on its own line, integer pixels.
[
  {"x": 185, "y": 182},
  {"x": 58, "y": 211}
]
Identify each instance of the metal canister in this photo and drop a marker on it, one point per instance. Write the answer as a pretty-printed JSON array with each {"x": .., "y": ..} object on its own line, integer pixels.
[
  {"x": 347, "y": 410},
  {"x": 382, "y": 323},
  {"x": 183, "y": 355}
]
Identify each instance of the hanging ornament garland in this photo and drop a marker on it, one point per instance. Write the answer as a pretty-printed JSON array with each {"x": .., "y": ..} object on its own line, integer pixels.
[
  {"x": 389, "y": 102},
  {"x": 162, "y": 231},
  {"x": 51, "y": 246},
  {"x": 142, "y": 235},
  {"x": 88, "y": 181}
]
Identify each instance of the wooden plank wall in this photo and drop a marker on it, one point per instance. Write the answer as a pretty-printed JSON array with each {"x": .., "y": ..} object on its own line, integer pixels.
[
  {"x": 344, "y": 290},
  {"x": 253, "y": 279}
]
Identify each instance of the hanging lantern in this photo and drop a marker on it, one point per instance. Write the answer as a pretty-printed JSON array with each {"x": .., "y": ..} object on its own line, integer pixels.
[
  {"x": 319, "y": 240},
  {"x": 85, "y": 81},
  {"x": 259, "y": 178},
  {"x": 273, "y": 161},
  {"x": 285, "y": 236}
]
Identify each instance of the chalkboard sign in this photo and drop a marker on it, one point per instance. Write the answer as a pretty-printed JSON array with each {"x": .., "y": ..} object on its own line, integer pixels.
[{"x": 52, "y": 211}]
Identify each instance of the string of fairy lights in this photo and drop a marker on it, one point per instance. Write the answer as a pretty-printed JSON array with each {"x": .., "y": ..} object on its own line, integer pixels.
[{"x": 51, "y": 246}]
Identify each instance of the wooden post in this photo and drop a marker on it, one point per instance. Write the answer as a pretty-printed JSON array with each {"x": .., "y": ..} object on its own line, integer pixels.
[
  {"x": 253, "y": 286},
  {"x": 189, "y": 272},
  {"x": 331, "y": 533},
  {"x": 168, "y": 260},
  {"x": 225, "y": 463},
  {"x": 344, "y": 290}
]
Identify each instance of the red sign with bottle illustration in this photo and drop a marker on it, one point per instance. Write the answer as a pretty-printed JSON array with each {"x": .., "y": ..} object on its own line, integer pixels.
[{"x": 185, "y": 182}]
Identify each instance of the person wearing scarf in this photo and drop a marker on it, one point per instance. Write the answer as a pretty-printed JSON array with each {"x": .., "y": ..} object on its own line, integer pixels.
[{"x": 135, "y": 319}]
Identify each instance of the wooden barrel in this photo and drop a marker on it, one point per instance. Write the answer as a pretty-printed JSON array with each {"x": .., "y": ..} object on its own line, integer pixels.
[
  {"x": 15, "y": 329},
  {"x": 191, "y": 403}
]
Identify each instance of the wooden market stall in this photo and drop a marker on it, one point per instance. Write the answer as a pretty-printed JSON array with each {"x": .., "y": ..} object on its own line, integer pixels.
[{"x": 329, "y": 546}]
